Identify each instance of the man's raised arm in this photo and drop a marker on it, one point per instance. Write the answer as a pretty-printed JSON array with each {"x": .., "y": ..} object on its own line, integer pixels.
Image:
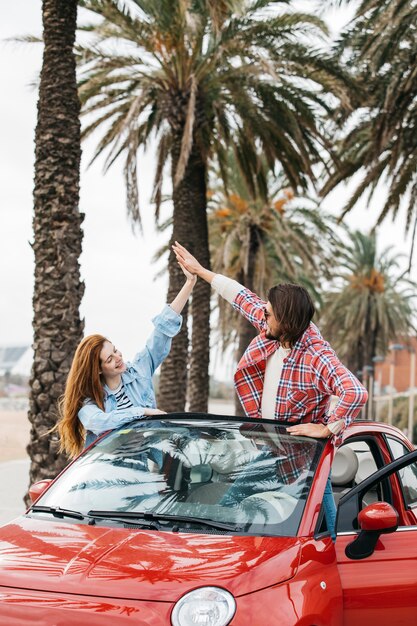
[
  {"x": 190, "y": 263},
  {"x": 226, "y": 287},
  {"x": 243, "y": 300}
]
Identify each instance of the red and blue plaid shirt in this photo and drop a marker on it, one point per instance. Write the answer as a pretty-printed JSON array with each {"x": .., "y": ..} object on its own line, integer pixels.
[{"x": 311, "y": 374}]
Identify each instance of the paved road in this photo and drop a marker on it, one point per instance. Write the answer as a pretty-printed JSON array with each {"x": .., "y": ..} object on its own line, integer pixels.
[{"x": 13, "y": 486}]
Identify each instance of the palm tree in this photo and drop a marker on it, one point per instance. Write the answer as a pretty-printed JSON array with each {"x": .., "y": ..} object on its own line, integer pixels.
[
  {"x": 197, "y": 76},
  {"x": 260, "y": 242},
  {"x": 57, "y": 233},
  {"x": 370, "y": 303},
  {"x": 381, "y": 43}
]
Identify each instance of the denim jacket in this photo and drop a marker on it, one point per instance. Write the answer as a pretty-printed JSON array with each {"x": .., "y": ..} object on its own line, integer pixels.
[{"x": 137, "y": 380}]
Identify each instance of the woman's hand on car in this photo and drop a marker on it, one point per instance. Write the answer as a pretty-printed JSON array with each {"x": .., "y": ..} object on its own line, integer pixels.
[{"x": 148, "y": 411}]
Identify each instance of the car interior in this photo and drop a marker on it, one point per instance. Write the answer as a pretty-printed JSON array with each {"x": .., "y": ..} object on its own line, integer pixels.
[
  {"x": 351, "y": 465},
  {"x": 354, "y": 462},
  {"x": 210, "y": 482}
]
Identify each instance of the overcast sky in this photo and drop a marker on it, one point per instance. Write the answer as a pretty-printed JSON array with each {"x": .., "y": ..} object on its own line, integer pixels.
[{"x": 121, "y": 294}]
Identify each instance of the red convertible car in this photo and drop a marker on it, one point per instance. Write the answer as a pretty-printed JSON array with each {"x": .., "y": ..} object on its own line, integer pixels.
[{"x": 213, "y": 520}]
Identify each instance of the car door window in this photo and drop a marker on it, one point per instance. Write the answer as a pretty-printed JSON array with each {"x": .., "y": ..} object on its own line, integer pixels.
[
  {"x": 408, "y": 475},
  {"x": 397, "y": 448}
]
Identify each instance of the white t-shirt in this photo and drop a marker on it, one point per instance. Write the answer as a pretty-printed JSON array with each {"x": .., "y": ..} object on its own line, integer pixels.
[
  {"x": 273, "y": 370},
  {"x": 122, "y": 400}
]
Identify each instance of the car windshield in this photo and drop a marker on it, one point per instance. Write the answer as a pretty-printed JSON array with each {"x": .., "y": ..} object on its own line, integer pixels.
[{"x": 251, "y": 475}]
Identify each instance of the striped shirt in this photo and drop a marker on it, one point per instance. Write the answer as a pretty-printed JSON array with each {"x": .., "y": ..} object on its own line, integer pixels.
[{"x": 122, "y": 399}]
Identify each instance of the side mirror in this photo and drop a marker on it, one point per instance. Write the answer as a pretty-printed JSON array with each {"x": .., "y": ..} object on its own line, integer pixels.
[
  {"x": 37, "y": 489},
  {"x": 375, "y": 519}
]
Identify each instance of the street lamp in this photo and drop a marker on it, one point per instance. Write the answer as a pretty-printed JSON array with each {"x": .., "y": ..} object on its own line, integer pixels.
[
  {"x": 359, "y": 374},
  {"x": 376, "y": 360},
  {"x": 395, "y": 347},
  {"x": 369, "y": 377},
  {"x": 410, "y": 425}
]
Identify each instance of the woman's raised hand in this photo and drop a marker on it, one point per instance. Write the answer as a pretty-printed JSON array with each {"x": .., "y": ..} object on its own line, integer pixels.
[
  {"x": 188, "y": 265},
  {"x": 192, "y": 278},
  {"x": 187, "y": 261}
]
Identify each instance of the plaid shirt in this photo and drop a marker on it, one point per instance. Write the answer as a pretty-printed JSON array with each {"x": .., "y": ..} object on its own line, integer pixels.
[{"x": 311, "y": 374}]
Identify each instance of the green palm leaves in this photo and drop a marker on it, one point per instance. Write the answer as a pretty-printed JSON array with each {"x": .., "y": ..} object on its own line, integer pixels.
[
  {"x": 382, "y": 141},
  {"x": 371, "y": 303},
  {"x": 263, "y": 241},
  {"x": 273, "y": 239},
  {"x": 212, "y": 72}
]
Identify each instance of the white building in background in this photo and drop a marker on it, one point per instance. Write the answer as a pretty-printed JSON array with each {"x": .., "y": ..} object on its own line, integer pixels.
[{"x": 15, "y": 360}]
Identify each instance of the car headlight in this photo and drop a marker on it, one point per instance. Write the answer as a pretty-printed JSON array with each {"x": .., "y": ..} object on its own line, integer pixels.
[{"x": 208, "y": 606}]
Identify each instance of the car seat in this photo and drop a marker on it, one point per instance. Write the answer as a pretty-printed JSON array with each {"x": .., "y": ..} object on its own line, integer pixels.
[
  {"x": 270, "y": 507},
  {"x": 225, "y": 457},
  {"x": 344, "y": 470},
  {"x": 366, "y": 467}
]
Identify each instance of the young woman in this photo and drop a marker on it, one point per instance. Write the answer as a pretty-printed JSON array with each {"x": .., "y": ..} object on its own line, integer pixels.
[{"x": 103, "y": 392}]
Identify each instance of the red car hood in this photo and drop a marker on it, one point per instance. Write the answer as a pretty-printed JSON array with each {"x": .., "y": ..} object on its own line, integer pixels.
[{"x": 138, "y": 564}]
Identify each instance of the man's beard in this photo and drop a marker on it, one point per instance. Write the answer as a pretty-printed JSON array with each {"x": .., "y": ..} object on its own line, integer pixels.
[{"x": 269, "y": 335}]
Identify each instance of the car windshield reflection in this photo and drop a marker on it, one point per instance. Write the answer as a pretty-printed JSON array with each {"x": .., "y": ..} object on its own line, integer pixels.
[{"x": 249, "y": 474}]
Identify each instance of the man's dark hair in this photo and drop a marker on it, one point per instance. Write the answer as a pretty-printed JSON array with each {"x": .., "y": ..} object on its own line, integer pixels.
[{"x": 293, "y": 309}]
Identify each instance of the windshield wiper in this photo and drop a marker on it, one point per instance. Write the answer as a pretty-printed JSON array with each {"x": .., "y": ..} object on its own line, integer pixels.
[
  {"x": 56, "y": 511},
  {"x": 123, "y": 517},
  {"x": 162, "y": 517}
]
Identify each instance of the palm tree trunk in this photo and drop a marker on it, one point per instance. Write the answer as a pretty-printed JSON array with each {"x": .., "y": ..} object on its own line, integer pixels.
[
  {"x": 198, "y": 386},
  {"x": 57, "y": 234},
  {"x": 190, "y": 229},
  {"x": 246, "y": 330}
]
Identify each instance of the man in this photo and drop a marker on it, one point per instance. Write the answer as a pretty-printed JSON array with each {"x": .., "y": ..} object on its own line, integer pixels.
[{"x": 288, "y": 372}]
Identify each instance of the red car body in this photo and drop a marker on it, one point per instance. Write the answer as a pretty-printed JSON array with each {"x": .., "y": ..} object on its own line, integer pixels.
[{"x": 60, "y": 573}]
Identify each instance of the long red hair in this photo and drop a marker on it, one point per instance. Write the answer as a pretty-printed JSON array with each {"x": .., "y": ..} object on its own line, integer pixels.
[{"x": 84, "y": 381}]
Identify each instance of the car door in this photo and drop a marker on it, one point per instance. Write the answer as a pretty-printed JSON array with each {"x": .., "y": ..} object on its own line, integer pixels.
[
  {"x": 407, "y": 478},
  {"x": 382, "y": 588}
]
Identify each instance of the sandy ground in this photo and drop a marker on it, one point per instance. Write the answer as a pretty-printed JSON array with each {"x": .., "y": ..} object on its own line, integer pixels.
[
  {"x": 14, "y": 435},
  {"x": 14, "y": 482},
  {"x": 14, "y": 463}
]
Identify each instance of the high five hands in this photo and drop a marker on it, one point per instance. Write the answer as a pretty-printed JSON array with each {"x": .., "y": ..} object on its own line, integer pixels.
[
  {"x": 187, "y": 261},
  {"x": 191, "y": 278}
]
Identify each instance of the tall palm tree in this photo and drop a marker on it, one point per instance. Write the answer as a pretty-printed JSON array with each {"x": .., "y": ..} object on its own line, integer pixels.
[
  {"x": 197, "y": 76},
  {"x": 57, "y": 233},
  {"x": 263, "y": 241},
  {"x": 381, "y": 44},
  {"x": 370, "y": 304}
]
